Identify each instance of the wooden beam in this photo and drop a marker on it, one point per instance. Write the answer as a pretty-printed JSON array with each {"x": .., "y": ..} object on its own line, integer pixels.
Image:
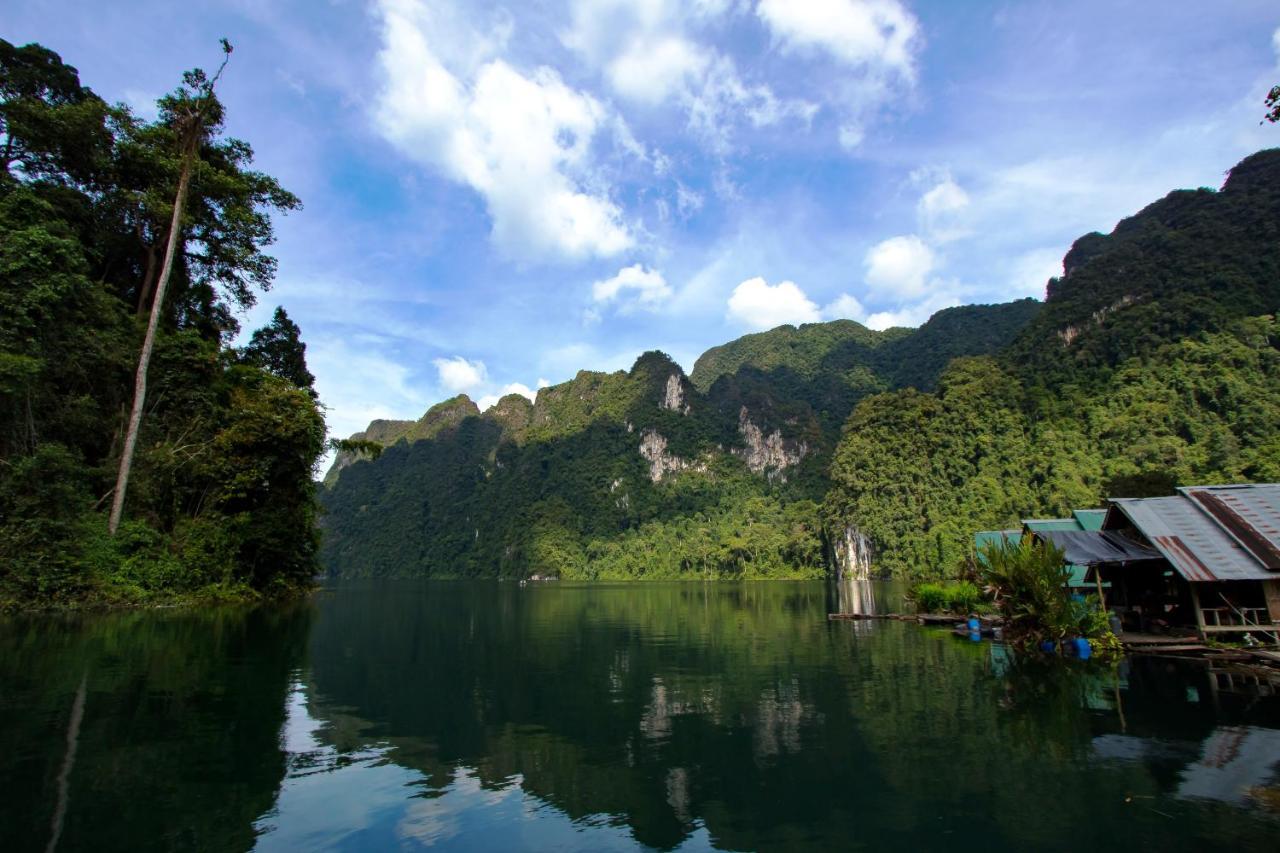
[{"x": 1195, "y": 602}]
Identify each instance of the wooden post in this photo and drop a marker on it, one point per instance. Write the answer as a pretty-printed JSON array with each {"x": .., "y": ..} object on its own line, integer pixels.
[
  {"x": 1195, "y": 602},
  {"x": 1097, "y": 577}
]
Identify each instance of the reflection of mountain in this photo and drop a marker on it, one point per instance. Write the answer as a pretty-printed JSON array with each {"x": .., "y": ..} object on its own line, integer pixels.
[
  {"x": 707, "y": 715},
  {"x": 178, "y": 747}
]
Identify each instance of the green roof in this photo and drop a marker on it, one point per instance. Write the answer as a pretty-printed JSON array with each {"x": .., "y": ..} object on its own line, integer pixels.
[
  {"x": 984, "y": 538},
  {"x": 1035, "y": 525},
  {"x": 1090, "y": 519}
]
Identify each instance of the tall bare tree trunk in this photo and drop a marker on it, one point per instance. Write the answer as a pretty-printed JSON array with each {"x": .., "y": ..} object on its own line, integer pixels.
[
  {"x": 148, "y": 279},
  {"x": 148, "y": 343}
]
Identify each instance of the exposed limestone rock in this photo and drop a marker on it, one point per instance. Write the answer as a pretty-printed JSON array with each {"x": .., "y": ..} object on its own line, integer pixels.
[
  {"x": 770, "y": 455},
  {"x": 853, "y": 554},
  {"x": 673, "y": 400},
  {"x": 1070, "y": 333},
  {"x": 653, "y": 447}
]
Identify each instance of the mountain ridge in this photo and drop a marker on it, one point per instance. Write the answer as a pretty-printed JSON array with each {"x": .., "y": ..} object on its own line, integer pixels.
[{"x": 800, "y": 450}]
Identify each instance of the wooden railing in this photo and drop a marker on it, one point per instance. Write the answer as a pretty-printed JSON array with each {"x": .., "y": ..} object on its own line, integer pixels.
[{"x": 1237, "y": 618}]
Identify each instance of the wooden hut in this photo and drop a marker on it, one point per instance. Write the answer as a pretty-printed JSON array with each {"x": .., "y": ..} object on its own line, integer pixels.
[{"x": 1218, "y": 565}]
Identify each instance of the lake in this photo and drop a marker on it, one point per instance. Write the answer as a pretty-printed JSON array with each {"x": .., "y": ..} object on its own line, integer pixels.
[{"x": 488, "y": 716}]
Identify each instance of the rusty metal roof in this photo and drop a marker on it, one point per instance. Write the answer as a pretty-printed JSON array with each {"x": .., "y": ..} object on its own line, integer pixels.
[
  {"x": 1248, "y": 514},
  {"x": 1193, "y": 540}
]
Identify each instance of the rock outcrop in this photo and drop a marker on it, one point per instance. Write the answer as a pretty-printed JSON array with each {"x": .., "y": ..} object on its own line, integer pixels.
[
  {"x": 853, "y": 554},
  {"x": 673, "y": 398},
  {"x": 770, "y": 455},
  {"x": 653, "y": 447}
]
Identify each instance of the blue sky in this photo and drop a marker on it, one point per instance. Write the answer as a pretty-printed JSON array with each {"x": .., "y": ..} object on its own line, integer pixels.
[{"x": 500, "y": 194}]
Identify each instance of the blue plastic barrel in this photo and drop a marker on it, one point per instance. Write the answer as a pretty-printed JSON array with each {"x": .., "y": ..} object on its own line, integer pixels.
[
  {"x": 1084, "y": 651},
  {"x": 974, "y": 625}
]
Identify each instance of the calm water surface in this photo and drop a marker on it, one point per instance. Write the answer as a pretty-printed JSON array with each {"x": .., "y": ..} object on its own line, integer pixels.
[{"x": 485, "y": 716}]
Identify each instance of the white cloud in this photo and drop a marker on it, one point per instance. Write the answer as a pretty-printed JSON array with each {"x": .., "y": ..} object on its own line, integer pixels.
[
  {"x": 457, "y": 374},
  {"x": 879, "y": 34},
  {"x": 851, "y": 136},
  {"x": 633, "y": 287},
  {"x": 522, "y": 141},
  {"x": 688, "y": 201},
  {"x": 488, "y": 401},
  {"x": 914, "y": 314},
  {"x": 1032, "y": 271},
  {"x": 900, "y": 265},
  {"x": 845, "y": 307},
  {"x": 760, "y": 305},
  {"x": 359, "y": 385},
  {"x": 938, "y": 209},
  {"x": 647, "y": 53},
  {"x": 651, "y": 71}
]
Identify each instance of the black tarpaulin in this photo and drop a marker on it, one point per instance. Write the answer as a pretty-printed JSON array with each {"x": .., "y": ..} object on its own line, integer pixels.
[{"x": 1091, "y": 547}]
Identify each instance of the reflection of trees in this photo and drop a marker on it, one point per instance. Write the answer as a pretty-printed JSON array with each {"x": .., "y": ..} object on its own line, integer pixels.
[
  {"x": 178, "y": 747},
  {"x": 738, "y": 707}
]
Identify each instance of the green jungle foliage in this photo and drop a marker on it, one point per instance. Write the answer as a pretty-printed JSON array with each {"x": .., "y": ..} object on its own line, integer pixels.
[
  {"x": 561, "y": 487},
  {"x": 222, "y": 497},
  {"x": 1028, "y": 581},
  {"x": 961, "y": 597},
  {"x": 1155, "y": 362}
]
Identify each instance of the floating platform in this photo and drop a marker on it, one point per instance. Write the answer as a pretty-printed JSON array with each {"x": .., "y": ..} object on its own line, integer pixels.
[{"x": 948, "y": 619}]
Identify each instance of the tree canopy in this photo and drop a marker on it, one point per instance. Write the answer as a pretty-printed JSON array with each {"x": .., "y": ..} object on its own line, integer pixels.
[{"x": 222, "y": 495}]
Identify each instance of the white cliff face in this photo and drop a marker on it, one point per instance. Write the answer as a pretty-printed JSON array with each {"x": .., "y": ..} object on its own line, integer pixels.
[
  {"x": 853, "y": 554},
  {"x": 770, "y": 454},
  {"x": 1070, "y": 333},
  {"x": 673, "y": 400},
  {"x": 653, "y": 447}
]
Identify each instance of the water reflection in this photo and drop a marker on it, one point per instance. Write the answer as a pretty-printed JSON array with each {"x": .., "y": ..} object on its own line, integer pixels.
[
  {"x": 683, "y": 716},
  {"x": 141, "y": 731},
  {"x": 723, "y": 717}
]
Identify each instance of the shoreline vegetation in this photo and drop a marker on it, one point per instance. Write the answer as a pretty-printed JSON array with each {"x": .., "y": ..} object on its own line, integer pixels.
[{"x": 221, "y": 499}]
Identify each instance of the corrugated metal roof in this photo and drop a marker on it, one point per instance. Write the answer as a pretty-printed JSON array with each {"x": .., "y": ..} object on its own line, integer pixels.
[
  {"x": 1189, "y": 538},
  {"x": 1090, "y": 519},
  {"x": 1249, "y": 514},
  {"x": 1036, "y": 525},
  {"x": 1090, "y": 547},
  {"x": 995, "y": 537},
  {"x": 984, "y": 538}
]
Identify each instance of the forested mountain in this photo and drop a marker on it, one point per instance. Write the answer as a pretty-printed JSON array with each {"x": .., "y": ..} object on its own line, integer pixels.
[
  {"x": 221, "y": 499},
  {"x": 1153, "y": 361},
  {"x": 639, "y": 473}
]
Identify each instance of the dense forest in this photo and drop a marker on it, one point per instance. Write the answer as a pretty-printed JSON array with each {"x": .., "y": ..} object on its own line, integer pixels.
[
  {"x": 638, "y": 474},
  {"x": 1154, "y": 361},
  {"x": 221, "y": 498}
]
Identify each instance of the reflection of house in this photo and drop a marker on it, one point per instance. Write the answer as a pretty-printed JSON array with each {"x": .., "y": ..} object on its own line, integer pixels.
[{"x": 1234, "y": 763}]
